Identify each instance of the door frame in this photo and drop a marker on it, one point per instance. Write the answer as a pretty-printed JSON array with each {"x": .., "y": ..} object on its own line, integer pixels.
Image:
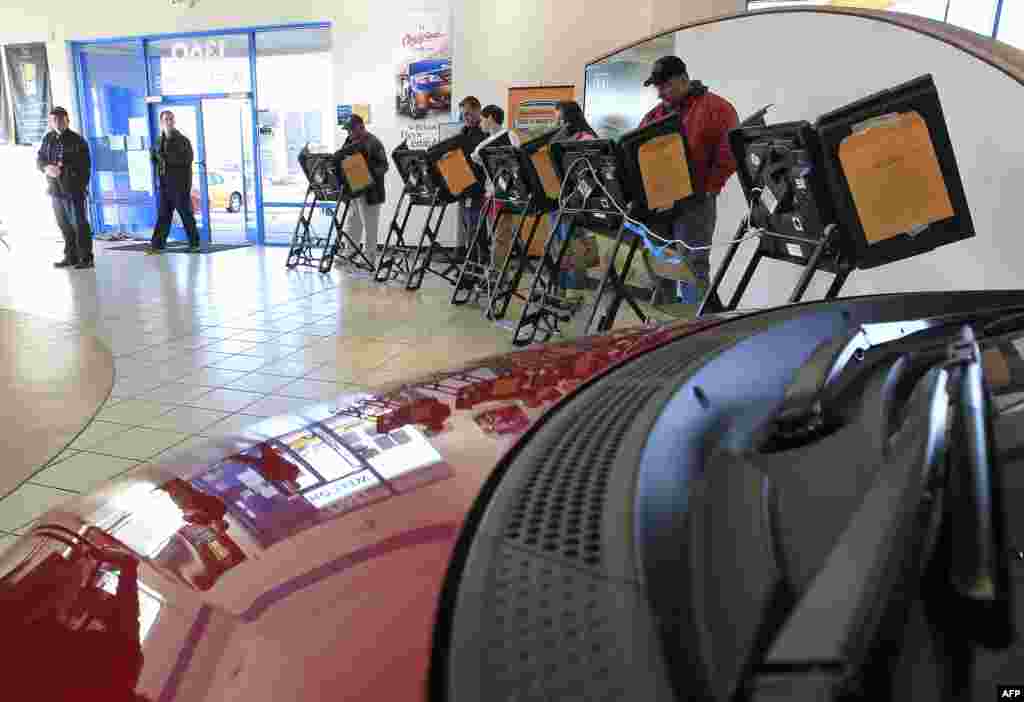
[
  {"x": 199, "y": 156},
  {"x": 81, "y": 97}
]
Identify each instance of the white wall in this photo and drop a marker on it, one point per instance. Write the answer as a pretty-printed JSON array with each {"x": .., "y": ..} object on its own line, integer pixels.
[{"x": 838, "y": 59}]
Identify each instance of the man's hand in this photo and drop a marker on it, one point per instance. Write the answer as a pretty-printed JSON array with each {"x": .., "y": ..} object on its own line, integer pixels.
[{"x": 53, "y": 171}]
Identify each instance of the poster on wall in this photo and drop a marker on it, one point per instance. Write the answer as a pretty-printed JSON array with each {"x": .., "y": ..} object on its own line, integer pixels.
[
  {"x": 30, "y": 91},
  {"x": 423, "y": 76},
  {"x": 344, "y": 114},
  {"x": 534, "y": 110},
  {"x": 616, "y": 99}
]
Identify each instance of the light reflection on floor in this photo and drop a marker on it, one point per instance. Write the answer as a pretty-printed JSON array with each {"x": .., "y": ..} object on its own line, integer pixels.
[{"x": 205, "y": 345}]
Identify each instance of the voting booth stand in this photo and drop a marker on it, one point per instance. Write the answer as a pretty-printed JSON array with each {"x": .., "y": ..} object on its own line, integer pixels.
[
  {"x": 421, "y": 188},
  {"x": 525, "y": 189},
  {"x": 868, "y": 184},
  {"x": 334, "y": 181}
]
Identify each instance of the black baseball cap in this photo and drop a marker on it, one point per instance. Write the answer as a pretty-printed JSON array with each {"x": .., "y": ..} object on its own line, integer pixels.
[
  {"x": 665, "y": 68},
  {"x": 59, "y": 112}
]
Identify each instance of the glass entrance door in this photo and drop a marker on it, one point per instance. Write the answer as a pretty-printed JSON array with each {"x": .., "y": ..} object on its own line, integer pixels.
[
  {"x": 188, "y": 119},
  {"x": 224, "y": 170},
  {"x": 231, "y": 169}
]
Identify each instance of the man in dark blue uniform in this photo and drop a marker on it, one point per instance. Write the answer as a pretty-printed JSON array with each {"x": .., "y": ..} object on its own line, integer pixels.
[
  {"x": 64, "y": 158},
  {"x": 173, "y": 158}
]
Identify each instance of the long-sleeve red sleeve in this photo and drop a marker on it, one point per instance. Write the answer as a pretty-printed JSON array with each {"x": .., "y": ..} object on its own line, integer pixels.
[{"x": 724, "y": 163}]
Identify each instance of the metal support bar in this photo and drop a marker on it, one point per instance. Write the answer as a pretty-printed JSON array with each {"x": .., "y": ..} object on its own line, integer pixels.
[
  {"x": 545, "y": 306},
  {"x": 427, "y": 246},
  {"x": 604, "y": 314},
  {"x": 518, "y": 256},
  {"x": 305, "y": 242},
  {"x": 394, "y": 258},
  {"x": 823, "y": 248},
  {"x": 478, "y": 274}
]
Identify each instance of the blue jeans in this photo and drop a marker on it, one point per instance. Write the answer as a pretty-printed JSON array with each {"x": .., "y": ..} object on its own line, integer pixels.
[
  {"x": 74, "y": 227},
  {"x": 470, "y": 212},
  {"x": 566, "y": 279}
]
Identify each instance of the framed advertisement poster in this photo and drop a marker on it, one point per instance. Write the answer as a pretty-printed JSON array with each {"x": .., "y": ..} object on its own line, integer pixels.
[
  {"x": 533, "y": 110},
  {"x": 29, "y": 75},
  {"x": 423, "y": 76}
]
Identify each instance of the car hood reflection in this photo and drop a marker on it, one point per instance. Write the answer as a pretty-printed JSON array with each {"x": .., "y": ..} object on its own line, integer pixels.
[{"x": 303, "y": 558}]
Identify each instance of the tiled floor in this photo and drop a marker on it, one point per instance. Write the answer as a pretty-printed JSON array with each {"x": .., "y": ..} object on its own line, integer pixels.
[{"x": 206, "y": 345}]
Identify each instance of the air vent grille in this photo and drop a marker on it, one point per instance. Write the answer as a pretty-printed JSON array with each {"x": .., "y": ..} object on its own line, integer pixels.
[
  {"x": 552, "y": 634},
  {"x": 560, "y": 505}
]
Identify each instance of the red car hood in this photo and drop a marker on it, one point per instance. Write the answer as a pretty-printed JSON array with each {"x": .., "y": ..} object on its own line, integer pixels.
[{"x": 307, "y": 566}]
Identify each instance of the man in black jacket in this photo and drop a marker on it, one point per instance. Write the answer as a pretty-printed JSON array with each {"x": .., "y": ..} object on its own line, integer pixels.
[
  {"x": 64, "y": 158},
  {"x": 469, "y": 207},
  {"x": 173, "y": 158},
  {"x": 365, "y": 213}
]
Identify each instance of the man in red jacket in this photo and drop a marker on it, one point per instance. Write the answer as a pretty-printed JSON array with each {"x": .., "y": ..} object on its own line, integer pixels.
[{"x": 706, "y": 121}]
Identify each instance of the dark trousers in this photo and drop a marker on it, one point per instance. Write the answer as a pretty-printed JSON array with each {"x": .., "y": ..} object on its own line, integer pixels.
[
  {"x": 469, "y": 212},
  {"x": 169, "y": 202},
  {"x": 695, "y": 225},
  {"x": 74, "y": 225}
]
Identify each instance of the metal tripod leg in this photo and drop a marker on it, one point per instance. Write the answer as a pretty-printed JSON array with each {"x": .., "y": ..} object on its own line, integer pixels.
[
  {"x": 606, "y": 318},
  {"x": 520, "y": 252},
  {"x": 331, "y": 242},
  {"x": 393, "y": 260},
  {"x": 716, "y": 281},
  {"x": 298, "y": 252},
  {"x": 544, "y": 309},
  {"x": 808, "y": 272},
  {"x": 476, "y": 269},
  {"x": 837, "y": 282},
  {"x": 357, "y": 258},
  {"x": 425, "y": 249}
]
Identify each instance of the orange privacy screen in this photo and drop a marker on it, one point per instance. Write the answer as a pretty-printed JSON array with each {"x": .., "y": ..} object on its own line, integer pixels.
[
  {"x": 894, "y": 177},
  {"x": 665, "y": 171},
  {"x": 455, "y": 170},
  {"x": 546, "y": 170},
  {"x": 357, "y": 173}
]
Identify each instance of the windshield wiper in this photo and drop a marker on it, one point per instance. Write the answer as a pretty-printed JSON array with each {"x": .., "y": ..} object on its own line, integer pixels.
[{"x": 944, "y": 454}]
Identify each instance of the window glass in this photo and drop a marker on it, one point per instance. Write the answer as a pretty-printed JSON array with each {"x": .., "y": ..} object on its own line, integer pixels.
[
  {"x": 976, "y": 15},
  {"x": 116, "y": 125},
  {"x": 291, "y": 114},
  {"x": 1011, "y": 24}
]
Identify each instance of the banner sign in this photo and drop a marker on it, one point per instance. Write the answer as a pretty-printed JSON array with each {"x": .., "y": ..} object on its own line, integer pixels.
[
  {"x": 30, "y": 91},
  {"x": 534, "y": 110}
]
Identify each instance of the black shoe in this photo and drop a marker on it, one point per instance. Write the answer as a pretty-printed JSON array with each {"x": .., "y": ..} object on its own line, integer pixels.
[
  {"x": 66, "y": 263},
  {"x": 91, "y": 263}
]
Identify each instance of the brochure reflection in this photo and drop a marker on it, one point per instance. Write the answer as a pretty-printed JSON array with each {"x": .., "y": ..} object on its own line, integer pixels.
[{"x": 313, "y": 475}]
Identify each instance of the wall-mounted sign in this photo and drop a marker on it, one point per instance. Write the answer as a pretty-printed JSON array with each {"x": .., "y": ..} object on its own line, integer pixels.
[
  {"x": 198, "y": 49},
  {"x": 29, "y": 75},
  {"x": 534, "y": 110},
  {"x": 421, "y": 136},
  {"x": 196, "y": 66}
]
